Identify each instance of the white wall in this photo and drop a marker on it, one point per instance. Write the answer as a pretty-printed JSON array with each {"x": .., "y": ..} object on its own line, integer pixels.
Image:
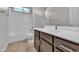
[
  {"x": 20, "y": 24},
  {"x": 39, "y": 16},
  {"x": 3, "y": 31},
  {"x": 57, "y": 15},
  {"x": 74, "y": 16}
]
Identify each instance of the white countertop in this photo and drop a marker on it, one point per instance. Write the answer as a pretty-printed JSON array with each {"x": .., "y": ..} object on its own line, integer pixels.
[{"x": 68, "y": 35}]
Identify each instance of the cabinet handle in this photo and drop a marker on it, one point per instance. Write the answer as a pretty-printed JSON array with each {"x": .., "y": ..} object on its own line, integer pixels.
[{"x": 66, "y": 48}]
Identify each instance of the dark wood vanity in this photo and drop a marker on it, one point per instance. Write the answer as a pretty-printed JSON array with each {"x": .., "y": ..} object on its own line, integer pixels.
[{"x": 44, "y": 42}]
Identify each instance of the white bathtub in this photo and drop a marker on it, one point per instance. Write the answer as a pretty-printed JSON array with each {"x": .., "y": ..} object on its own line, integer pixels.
[{"x": 17, "y": 37}]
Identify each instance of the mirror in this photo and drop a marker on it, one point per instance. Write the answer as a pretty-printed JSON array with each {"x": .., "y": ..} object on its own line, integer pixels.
[{"x": 67, "y": 16}]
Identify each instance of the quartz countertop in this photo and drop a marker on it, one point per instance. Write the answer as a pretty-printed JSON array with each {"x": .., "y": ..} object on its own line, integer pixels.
[{"x": 67, "y": 35}]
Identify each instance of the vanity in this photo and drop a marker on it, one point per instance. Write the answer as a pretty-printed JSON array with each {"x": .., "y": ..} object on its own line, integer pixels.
[{"x": 56, "y": 41}]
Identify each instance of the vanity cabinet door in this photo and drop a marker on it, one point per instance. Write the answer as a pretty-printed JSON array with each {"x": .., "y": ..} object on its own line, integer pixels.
[
  {"x": 36, "y": 42},
  {"x": 45, "y": 47}
]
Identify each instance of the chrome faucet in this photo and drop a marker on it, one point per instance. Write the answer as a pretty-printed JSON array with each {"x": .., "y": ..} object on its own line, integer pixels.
[{"x": 55, "y": 27}]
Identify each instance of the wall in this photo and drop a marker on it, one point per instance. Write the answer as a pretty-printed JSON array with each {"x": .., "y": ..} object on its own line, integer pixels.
[
  {"x": 57, "y": 15},
  {"x": 74, "y": 16},
  {"x": 20, "y": 24},
  {"x": 3, "y": 31},
  {"x": 39, "y": 16}
]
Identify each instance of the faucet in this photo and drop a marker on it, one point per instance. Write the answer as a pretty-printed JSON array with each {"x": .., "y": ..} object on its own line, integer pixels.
[{"x": 55, "y": 27}]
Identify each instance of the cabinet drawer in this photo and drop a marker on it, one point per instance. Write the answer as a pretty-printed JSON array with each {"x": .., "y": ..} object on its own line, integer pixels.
[
  {"x": 45, "y": 47},
  {"x": 47, "y": 37},
  {"x": 69, "y": 46},
  {"x": 58, "y": 45},
  {"x": 36, "y": 32},
  {"x": 65, "y": 46}
]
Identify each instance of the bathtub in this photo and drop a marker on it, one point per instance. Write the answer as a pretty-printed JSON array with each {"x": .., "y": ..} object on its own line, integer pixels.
[{"x": 13, "y": 37}]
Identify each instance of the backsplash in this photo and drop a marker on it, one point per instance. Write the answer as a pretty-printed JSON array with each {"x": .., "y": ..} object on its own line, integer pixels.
[{"x": 67, "y": 28}]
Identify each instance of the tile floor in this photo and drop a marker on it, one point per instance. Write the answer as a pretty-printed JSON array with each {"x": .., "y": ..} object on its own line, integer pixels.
[{"x": 21, "y": 46}]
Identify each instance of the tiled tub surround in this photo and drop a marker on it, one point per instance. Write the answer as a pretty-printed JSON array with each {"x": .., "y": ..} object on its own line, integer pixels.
[{"x": 63, "y": 34}]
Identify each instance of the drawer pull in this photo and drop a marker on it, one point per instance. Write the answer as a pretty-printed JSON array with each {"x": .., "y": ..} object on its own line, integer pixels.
[{"x": 66, "y": 48}]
